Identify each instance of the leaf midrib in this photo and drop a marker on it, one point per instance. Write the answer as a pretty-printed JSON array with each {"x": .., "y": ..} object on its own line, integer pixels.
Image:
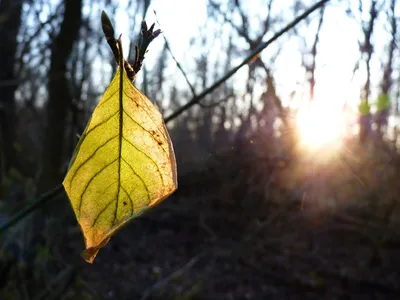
[{"x": 121, "y": 122}]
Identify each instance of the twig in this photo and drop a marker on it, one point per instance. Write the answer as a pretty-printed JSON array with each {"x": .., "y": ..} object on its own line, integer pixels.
[
  {"x": 191, "y": 87},
  {"x": 59, "y": 284},
  {"x": 216, "y": 103},
  {"x": 147, "y": 36},
  {"x": 37, "y": 203},
  {"x": 343, "y": 161},
  {"x": 247, "y": 60},
  {"x": 172, "y": 276},
  {"x": 29, "y": 40},
  {"x": 22, "y": 284},
  {"x": 109, "y": 33},
  {"x": 176, "y": 61}
]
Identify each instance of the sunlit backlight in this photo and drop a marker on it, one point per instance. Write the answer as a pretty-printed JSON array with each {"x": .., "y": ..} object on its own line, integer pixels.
[{"x": 319, "y": 125}]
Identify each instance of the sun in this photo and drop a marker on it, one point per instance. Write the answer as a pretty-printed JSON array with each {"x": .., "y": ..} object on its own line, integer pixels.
[{"x": 319, "y": 125}]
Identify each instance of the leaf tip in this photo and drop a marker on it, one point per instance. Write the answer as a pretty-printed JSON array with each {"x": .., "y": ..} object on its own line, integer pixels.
[{"x": 90, "y": 254}]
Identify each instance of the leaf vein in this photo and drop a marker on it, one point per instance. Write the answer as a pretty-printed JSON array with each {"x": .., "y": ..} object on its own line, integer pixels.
[
  {"x": 101, "y": 212},
  {"x": 101, "y": 123},
  {"x": 137, "y": 175},
  {"x": 91, "y": 180},
  {"x": 91, "y": 156},
  {"x": 121, "y": 124},
  {"x": 137, "y": 123},
  {"x": 129, "y": 197},
  {"x": 105, "y": 101},
  {"x": 158, "y": 169},
  {"x": 148, "y": 113}
]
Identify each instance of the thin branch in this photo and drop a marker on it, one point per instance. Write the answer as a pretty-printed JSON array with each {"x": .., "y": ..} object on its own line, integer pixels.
[
  {"x": 176, "y": 61},
  {"x": 216, "y": 103},
  {"x": 58, "y": 285},
  {"x": 267, "y": 22},
  {"x": 36, "y": 204},
  {"x": 191, "y": 87},
  {"x": 34, "y": 36},
  {"x": 247, "y": 60},
  {"x": 147, "y": 36},
  {"x": 240, "y": 30},
  {"x": 109, "y": 33},
  {"x": 314, "y": 54},
  {"x": 177, "y": 273}
]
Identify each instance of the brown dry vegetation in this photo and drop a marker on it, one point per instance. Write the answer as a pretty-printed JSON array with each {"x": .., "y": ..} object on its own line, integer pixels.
[{"x": 259, "y": 229}]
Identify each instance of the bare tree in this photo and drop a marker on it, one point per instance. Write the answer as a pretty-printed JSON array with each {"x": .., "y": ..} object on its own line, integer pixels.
[
  {"x": 60, "y": 98},
  {"x": 243, "y": 30},
  {"x": 367, "y": 49},
  {"x": 311, "y": 68},
  {"x": 387, "y": 80},
  {"x": 10, "y": 22}
]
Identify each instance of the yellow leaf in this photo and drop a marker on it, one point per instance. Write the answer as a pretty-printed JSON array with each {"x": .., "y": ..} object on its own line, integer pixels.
[{"x": 123, "y": 164}]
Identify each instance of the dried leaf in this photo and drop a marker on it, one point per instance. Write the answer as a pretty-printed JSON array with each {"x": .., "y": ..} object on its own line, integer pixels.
[{"x": 123, "y": 165}]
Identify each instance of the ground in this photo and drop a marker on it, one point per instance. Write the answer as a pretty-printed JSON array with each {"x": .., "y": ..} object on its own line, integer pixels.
[{"x": 185, "y": 250}]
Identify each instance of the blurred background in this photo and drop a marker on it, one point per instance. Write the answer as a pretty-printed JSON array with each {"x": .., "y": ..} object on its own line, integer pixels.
[{"x": 288, "y": 171}]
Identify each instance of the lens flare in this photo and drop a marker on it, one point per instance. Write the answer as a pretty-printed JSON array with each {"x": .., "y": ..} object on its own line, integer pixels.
[{"x": 319, "y": 125}]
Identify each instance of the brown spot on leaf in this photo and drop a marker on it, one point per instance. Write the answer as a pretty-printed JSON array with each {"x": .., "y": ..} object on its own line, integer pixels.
[{"x": 124, "y": 203}]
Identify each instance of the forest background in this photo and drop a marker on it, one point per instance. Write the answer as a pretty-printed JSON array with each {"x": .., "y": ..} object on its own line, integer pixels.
[{"x": 288, "y": 171}]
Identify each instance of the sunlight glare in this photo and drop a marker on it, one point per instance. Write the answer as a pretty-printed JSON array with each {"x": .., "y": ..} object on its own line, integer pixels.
[{"x": 319, "y": 124}]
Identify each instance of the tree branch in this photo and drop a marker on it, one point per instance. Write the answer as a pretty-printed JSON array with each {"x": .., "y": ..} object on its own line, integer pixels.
[{"x": 30, "y": 208}]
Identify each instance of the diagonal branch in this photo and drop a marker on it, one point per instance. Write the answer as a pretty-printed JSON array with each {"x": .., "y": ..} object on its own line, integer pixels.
[{"x": 32, "y": 207}]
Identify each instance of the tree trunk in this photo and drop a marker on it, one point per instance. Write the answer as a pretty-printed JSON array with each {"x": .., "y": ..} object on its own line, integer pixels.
[
  {"x": 314, "y": 54},
  {"x": 367, "y": 48},
  {"x": 60, "y": 98},
  {"x": 10, "y": 21},
  {"x": 387, "y": 81}
]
